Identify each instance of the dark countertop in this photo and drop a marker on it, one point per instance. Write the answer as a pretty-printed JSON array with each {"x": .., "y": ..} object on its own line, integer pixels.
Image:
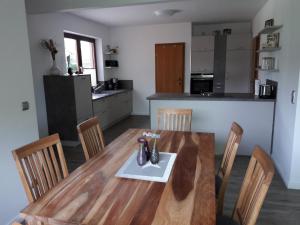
[
  {"x": 212, "y": 97},
  {"x": 105, "y": 94}
]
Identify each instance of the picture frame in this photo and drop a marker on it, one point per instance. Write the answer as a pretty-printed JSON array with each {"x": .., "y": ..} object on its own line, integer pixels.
[
  {"x": 273, "y": 40},
  {"x": 269, "y": 23}
]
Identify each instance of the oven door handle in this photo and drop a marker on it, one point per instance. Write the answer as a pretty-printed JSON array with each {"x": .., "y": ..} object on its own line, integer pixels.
[{"x": 202, "y": 79}]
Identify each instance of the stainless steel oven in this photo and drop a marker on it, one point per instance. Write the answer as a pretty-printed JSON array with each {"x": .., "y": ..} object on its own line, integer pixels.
[{"x": 202, "y": 83}]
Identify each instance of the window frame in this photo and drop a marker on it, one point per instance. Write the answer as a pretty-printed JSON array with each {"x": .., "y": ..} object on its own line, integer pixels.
[{"x": 79, "y": 38}]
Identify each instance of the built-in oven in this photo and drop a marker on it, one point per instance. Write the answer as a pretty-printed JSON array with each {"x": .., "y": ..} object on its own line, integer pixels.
[{"x": 202, "y": 83}]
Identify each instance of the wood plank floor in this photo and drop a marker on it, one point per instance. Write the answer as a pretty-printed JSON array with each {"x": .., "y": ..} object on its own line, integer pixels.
[{"x": 281, "y": 207}]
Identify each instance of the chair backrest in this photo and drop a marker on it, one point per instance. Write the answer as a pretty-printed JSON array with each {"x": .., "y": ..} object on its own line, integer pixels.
[
  {"x": 41, "y": 166},
  {"x": 255, "y": 186},
  {"x": 91, "y": 137},
  {"x": 174, "y": 119},
  {"x": 234, "y": 139}
]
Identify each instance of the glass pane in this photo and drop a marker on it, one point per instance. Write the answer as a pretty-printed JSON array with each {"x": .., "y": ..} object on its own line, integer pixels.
[
  {"x": 71, "y": 54},
  {"x": 93, "y": 75},
  {"x": 87, "y": 54}
]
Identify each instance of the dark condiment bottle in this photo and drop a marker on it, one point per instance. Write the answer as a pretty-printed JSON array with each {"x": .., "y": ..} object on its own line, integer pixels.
[{"x": 143, "y": 153}]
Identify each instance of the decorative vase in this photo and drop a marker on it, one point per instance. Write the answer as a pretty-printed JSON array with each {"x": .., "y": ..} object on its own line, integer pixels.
[
  {"x": 154, "y": 156},
  {"x": 55, "y": 70}
]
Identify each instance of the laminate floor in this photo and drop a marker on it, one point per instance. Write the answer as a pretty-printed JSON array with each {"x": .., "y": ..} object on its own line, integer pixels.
[
  {"x": 74, "y": 155},
  {"x": 281, "y": 207}
]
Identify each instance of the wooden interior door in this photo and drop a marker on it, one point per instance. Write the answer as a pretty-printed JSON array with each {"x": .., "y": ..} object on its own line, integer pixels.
[{"x": 169, "y": 67}]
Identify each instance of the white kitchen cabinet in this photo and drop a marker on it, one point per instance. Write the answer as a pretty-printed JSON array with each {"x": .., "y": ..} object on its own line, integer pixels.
[
  {"x": 202, "y": 58},
  {"x": 202, "y": 62},
  {"x": 238, "y": 67},
  {"x": 112, "y": 109},
  {"x": 239, "y": 42},
  {"x": 203, "y": 43}
]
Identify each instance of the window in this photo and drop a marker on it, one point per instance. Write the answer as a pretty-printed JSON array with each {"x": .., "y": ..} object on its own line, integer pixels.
[{"x": 80, "y": 54}]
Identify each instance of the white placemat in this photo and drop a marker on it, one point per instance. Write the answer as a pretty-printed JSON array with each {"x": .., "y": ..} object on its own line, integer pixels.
[{"x": 151, "y": 172}]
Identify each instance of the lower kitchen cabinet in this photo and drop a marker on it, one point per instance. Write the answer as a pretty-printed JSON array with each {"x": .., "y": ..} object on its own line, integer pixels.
[{"x": 112, "y": 109}]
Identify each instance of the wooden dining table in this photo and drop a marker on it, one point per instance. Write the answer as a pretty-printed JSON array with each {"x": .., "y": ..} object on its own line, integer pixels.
[{"x": 92, "y": 194}]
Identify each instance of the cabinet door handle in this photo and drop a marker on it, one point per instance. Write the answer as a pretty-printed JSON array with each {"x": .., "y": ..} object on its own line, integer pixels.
[{"x": 293, "y": 96}]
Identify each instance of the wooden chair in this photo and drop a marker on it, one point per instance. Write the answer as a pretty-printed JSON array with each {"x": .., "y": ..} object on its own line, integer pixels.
[
  {"x": 254, "y": 189},
  {"x": 222, "y": 177},
  {"x": 38, "y": 166},
  {"x": 91, "y": 137},
  {"x": 174, "y": 119}
]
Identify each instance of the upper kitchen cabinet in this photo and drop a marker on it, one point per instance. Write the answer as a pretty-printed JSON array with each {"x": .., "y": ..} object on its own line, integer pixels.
[
  {"x": 202, "y": 58},
  {"x": 238, "y": 63},
  {"x": 237, "y": 75},
  {"x": 239, "y": 42},
  {"x": 202, "y": 62},
  {"x": 203, "y": 43}
]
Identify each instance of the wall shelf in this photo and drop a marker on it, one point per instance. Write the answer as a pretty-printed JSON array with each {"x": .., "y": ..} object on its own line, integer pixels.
[
  {"x": 110, "y": 53},
  {"x": 111, "y": 67},
  {"x": 269, "y": 49},
  {"x": 266, "y": 70},
  {"x": 270, "y": 30}
]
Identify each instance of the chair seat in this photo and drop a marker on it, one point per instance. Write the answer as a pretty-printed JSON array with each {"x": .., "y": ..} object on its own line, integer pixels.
[
  {"x": 218, "y": 183},
  {"x": 225, "y": 220}
]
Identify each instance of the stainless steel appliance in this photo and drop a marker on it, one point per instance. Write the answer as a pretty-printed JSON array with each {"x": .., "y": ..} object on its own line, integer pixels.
[
  {"x": 111, "y": 63},
  {"x": 202, "y": 83},
  {"x": 113, "y": 84},
  {"x": 266, "y": 91}
]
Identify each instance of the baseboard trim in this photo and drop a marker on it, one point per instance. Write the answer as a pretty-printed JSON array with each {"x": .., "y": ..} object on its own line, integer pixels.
[
  {"x": 70, "y": 143},
  {"x": 140, "y": 114},
  {"x": 280, "y": 171},
  {"x": 294, "y": 185}
]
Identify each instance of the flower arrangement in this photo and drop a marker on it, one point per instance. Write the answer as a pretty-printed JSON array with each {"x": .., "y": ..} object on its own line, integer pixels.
[{"x": 49, "y": 45}]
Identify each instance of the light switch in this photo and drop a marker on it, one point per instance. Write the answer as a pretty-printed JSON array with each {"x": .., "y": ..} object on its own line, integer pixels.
[{"x": 25, "y": 106}]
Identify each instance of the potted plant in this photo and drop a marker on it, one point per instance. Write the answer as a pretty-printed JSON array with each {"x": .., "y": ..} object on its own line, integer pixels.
[{"x": 50, "y": 46}]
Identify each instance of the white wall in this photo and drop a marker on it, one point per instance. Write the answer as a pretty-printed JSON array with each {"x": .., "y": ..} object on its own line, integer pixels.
[
  {"x": 295, "y": 167},
  {"x": 17, "y": 127},
  {"x": 286, "y": 13},
  {"x": 53, "y": 25},
  {"x": 137, "y": 56}
]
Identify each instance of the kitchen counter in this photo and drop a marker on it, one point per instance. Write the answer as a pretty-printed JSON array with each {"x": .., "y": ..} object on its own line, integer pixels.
[
  {"x": 211, "y": 97},
  {"x": 216, "y": 113},
  {"x": 108, "y": 93}
]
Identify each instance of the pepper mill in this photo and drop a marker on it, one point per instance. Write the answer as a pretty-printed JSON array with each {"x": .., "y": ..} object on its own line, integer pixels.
[{"x": 142, "y": 155}]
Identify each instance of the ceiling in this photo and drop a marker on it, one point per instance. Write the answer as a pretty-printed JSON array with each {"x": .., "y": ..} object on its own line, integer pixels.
[{"x": 202, "y": 11}]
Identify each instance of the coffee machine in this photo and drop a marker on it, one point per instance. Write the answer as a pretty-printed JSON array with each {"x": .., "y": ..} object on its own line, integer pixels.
[{"x": 113, "y": 84}]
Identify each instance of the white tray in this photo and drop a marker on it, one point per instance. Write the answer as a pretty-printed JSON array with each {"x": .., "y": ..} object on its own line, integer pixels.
[{"x": 159, "y": 172}]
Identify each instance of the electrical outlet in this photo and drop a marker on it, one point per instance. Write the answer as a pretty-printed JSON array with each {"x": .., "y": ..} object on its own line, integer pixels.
[{"x": 25, "y": 106}]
